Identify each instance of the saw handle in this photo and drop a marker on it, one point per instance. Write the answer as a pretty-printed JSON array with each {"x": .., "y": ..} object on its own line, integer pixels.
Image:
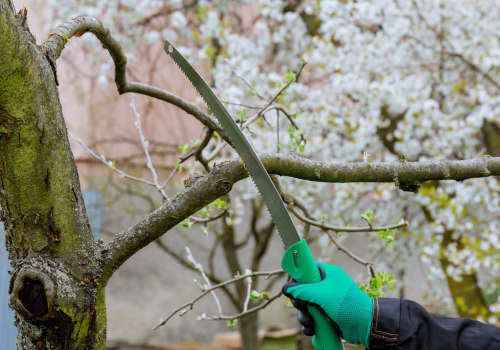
[{"x": 299, "y": 263}]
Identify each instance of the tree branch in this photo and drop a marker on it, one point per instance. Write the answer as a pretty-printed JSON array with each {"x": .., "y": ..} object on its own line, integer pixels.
[
  {"x": 326, "y": 227},
  {"x": 79, "y": 25},
  {"x": 189, "y": 305},
  {"x": 207, "y": 188}
]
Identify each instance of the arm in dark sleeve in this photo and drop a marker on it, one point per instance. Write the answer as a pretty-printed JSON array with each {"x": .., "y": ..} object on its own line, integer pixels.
[{"x": 404, "y": 324}]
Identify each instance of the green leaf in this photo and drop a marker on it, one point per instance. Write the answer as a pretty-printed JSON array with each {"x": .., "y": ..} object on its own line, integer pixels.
[
  {"x": 254, "y": 295},
  {"x": 220, "y": 204},
  {"x": 368, "y": 216},
  {"x": 242, "y": 113},
  {"x": 178, "y": 166},
  {"x": 459, "y": 86},
  {"x": 184, "y": 149},
  {"x": 186, "y": 223},
  {"x": 387, "y": 236},
  {"x": 232, "y": 323},
  {"x": 290, "y": 77},
  {"x": 295, "y": 139}
]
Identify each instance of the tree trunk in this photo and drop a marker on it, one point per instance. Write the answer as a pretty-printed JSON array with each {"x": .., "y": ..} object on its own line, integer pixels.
[
  {"x": 54, "y": 284},
  {"x": 247, "y": 325},
  {"x": 249, "y": 330}
]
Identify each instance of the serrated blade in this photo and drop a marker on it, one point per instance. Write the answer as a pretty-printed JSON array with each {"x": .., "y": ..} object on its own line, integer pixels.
[{"x": 258, "y": 173}]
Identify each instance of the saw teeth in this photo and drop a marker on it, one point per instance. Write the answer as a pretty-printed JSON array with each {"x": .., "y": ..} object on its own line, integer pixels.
[{"x": 282, "y": 219}]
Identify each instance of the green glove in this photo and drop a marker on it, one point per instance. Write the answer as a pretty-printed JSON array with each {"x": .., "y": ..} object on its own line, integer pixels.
[{"x": 339, "y": 299}]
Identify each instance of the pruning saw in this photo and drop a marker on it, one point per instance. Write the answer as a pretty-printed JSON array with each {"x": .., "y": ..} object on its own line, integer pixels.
[{"x": 297, "y": 260}]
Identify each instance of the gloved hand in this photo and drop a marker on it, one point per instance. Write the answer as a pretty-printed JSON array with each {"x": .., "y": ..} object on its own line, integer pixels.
[{"x": 339, "y": 299}]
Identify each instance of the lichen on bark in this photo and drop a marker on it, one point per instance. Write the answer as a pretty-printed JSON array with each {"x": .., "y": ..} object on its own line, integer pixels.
[{"x": 48, "y": 238}]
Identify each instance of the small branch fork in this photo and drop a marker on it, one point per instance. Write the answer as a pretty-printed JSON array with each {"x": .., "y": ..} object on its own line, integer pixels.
[{"x": 183, "y": 309}]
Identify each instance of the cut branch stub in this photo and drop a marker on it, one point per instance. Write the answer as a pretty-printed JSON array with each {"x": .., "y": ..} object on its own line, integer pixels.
[{"x": 33, "y": 295}]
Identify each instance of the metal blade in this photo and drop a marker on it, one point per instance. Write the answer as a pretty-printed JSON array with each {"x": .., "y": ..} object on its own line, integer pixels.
[{"x": 258, "y": 173}]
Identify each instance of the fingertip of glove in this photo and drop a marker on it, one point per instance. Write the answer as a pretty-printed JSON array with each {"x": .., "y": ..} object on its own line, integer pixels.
[{"x": 309, "y": 331}]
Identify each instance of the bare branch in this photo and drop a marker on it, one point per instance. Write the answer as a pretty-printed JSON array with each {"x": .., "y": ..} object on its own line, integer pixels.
[
  {"x": 109, "y": 163},
  {"x": 369, "y": 228},
  {"x": 183, "y": 309},
  {"x": 144, "y": 144},
  {"x": 181, "y": 260},
  {"x": 200, "y": 269},
  {"x": 207, "y": 219},
  {"x": 366, "y": 263},
  {"x": 243, "y": 313}
]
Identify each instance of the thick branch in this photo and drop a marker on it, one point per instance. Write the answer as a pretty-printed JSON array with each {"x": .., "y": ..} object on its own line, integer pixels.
[
  {"x": 207, "y": 188},
  {"x": 79, "y": 25}
]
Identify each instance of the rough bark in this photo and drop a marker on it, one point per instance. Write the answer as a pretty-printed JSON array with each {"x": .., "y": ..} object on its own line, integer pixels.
[
  {"x": 249, "y": 330},
  {"x": 54, "y": 284}
]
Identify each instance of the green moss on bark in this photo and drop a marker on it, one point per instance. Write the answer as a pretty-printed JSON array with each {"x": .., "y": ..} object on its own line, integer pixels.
[{"x": 42, "y": 205}]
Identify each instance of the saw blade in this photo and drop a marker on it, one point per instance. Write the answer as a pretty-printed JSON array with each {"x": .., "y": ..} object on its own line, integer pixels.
[{"x": 258, "y": 173}]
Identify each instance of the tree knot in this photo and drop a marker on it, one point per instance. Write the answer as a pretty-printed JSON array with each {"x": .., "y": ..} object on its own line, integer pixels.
[{"x": 32, "y": 294}]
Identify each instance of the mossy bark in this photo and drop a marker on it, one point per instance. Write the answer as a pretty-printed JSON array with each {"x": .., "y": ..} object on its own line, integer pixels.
[{"x": 55, "y": 278}]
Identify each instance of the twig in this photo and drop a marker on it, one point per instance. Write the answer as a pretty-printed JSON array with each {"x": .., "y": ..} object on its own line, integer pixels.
[
  {"x": 207, "y": 219},
  {"x": 246, "y": 82},
  {"x": 216, "y": 151},
  {"x": 249, "y": 291},
  {"x": 324, "y": 226},
  {"x": 183, "y": 309},
  {"x": 108, "y": 163},
  {"x": 241, "y": 314},
  {"x": 199, "y": 267},
  {"x": 198, "y": 150},
  {"x": 181, "y": 260},
  {"x": 366, "y": 263},
  {"x": 475, "y": 68},
  {"x": 144, "y": 143},
  {"x": 286, "y": 86}
]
